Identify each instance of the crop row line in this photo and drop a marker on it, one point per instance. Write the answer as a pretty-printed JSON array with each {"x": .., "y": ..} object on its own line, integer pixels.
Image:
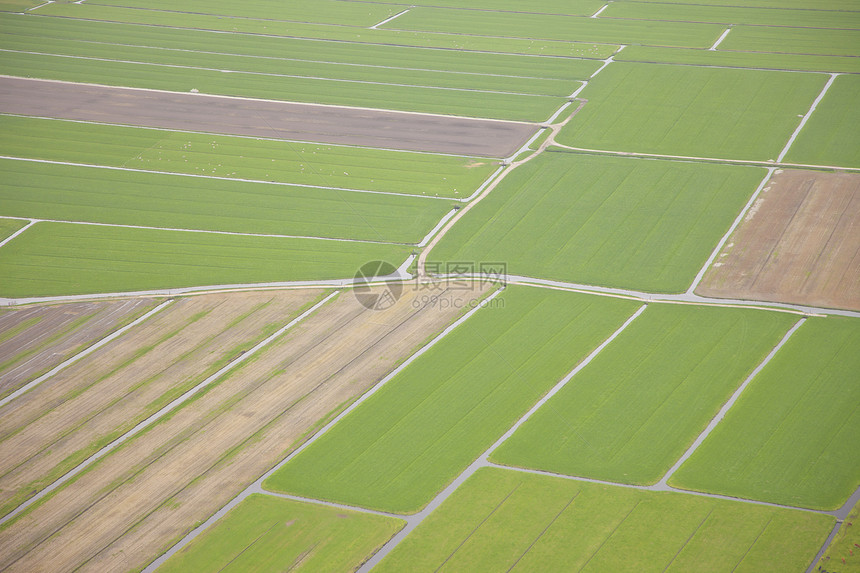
[{"x": 271, "y": 74}]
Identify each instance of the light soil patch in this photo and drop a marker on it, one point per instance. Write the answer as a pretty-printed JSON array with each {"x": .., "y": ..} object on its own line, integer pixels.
[
  {"x": 47, "y": 431},
  {"x": 136, "y": 502},
  {"x": 263, "y": 118},
  {"x": 35, "y": 339},
  {"x": 799, "y": 243}
]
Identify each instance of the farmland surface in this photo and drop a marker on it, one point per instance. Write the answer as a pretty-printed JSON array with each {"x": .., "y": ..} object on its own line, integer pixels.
[{"x": 365, "y": 285}]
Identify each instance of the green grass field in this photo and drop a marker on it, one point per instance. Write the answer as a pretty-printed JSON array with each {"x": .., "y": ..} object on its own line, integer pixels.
[
  {"x": 842, "y": 553},
  {"x": 502, "y": 520},
  {"x": 691, "y": 111},
  {"x": 792, "y": 436},
  {"x": 361, "y": 35},
  {"x": 830, "y": 135},
  {"x": 90, "y": 194},
  {"x": 797, "y": 62},
  {"x": 9, "y": 226},
  {"x": 60, "y": 259},
  {"x": 613, "y": 221},
  {"x": 794, "y": 40},
  {"x": 556, "y": 27},
  {"x": 297, "y": 70},
  {"x": 291, "y": 51},
  {"x": 318, "y": 11},
  {"x": 733, "y": 15},
  {"x": 631, "y": 413},
  {"x": 243, "y": 157},
  {"x": 409, "y": 440},
  {"x": 268, "y": 534}
]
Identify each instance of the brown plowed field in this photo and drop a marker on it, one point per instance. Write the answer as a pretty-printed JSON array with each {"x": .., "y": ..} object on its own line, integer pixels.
[
  {"x": 261, "y": 118},
  {"x": 136, "y": 502},
  {"x": 800, "y": 243},
  {"x": 35, "y": 339},
  {"x": 58, "y": 424}
]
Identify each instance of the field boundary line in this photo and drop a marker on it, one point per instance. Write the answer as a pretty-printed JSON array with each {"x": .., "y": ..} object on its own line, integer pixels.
[
  {"x": 652, "y": 488},
  {"x": 682, "y": 298},
  {"x": 701, "y": 274},
  {"x": 240, "y": 136},
  {"x": 82, "y": 354},
  {"x": 218, "y": 177},
  {"x": 646, "y": 297},
  {"x": 163, "y": 411},
  {"x": 438, "y": 226},
  {"x": 389, "y": 19},
  {"x": 691, "y": 158},
  {"x": 806, "y": 117},
  {"x": 18, "y": 232},
  {"x": 712, "y": 424},
  {"x": 206, "y": 231},
  {"x": 482, "y": 460},
  {"x": 719, "y": 41},
  {"x": 270, "y": 74},
  {"x": 257, "y": 486},
  {"x": 596, "y": 14},
  {"x": 297, "y": 103}
]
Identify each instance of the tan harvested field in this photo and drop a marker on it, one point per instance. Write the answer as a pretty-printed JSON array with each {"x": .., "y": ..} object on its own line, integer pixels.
[
  {"x": 35, "y": 339},
  {"x": 48, "y": 430},
  {"x": 263, "y": 118},
  {"x": 800, "y": 243},
  {"x": 133, "y": 504}
]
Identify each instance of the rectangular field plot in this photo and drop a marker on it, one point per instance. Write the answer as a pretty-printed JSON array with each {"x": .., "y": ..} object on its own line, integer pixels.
[
  {"x": 317, "y": 11},
  {"x": 33, "y": 340},
  {"x": 556, "y": 27},
  {"x": 829, "y": 138},
  {"x": 93, "y": 195},
  {"x": 244, "y": 30},
  {"x": 634, "y": 410},
  {"x": 119, "y": 513},
  {"x": 291, "y": 66},
  {"x": 623, "y": 222},
  {"x": 503, "y": 520},
  {"x": 690, "y": 111},
  {"x": 792, "y": 436},
  {"x": 799, "y": 243},
  {"x": 265, "y": 533},
  {"x": 410, "y": 439},
  {"x": 794, "y": 40},
  {"x": 59, "y": 258},
  {"x": 223, "y": 156},
  {"x": 369, "y": 57}
]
